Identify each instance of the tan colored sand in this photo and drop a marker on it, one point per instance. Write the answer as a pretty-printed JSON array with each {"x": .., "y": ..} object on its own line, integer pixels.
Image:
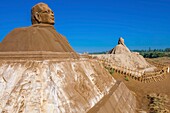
[
  {"x": 142, "y": 89},
  {"x": 42, "y": 37}
]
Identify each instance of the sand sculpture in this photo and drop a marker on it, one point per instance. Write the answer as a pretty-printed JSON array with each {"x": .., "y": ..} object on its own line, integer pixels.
[
  {"x": 120, "y": 48},
  {"x": 122, "y": 56},
  {"x": 41, "y": 36},
  {"x": 41, "y": 73}
]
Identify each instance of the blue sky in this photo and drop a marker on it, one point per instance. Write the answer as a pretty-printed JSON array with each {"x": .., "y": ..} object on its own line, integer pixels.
[{"x": 96, "y": 25}]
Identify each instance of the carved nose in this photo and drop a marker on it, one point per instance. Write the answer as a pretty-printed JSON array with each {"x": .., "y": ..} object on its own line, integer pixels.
[{"x": 52, "y": 13}]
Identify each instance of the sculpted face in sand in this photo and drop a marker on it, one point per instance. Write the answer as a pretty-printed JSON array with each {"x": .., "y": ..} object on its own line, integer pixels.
[
  {"x": 121, "y": 41},
  {"x": 41, "y": 36},
  {"x": 42, "y": 14}
]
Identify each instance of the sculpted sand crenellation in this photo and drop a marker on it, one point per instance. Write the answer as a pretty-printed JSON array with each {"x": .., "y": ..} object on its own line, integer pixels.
[{"x": 133, "y": 65}]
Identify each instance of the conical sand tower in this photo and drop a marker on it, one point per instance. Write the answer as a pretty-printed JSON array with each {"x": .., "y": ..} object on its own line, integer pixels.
[{"x": 41, "y": 73}]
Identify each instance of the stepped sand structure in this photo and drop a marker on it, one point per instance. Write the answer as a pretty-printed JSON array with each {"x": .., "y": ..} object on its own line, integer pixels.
[
  {"x": 41, "y": 73},
  {"x": 122, "y": 56}
]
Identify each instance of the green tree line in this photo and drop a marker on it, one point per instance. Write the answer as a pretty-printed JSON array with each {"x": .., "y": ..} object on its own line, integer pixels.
[
  {"x": 154, "y": 53},
  {"x": 150, "y": 53}
]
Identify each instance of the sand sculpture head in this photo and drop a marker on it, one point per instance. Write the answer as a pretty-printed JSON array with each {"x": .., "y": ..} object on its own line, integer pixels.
[
  {"x": 121, "y": 41},
  {"x": 42, "y": 14}
]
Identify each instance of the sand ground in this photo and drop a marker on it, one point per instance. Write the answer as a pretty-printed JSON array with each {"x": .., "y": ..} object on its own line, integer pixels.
[{"x": 142, "y": 89}]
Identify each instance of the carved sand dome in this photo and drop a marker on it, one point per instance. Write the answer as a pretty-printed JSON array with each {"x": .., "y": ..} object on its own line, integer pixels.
[{"x": 38, "y": 37}]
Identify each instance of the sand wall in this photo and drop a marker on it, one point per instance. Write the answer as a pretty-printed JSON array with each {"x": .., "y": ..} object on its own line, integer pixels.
[
  {"x": 43, "y": 86},
  {"x": 119, "y": 100}
]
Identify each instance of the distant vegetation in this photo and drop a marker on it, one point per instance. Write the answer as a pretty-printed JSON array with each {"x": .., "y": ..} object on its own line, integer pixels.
[
  {"x": 155, "y": 53},
  {"x": 150, "y": 53},
  {"x": 104, "y": 52}
]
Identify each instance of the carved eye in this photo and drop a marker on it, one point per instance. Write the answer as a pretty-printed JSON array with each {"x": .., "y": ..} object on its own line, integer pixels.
[
  {"x": 48, "y": 12},
  {"x": 45, "y": 12}
]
